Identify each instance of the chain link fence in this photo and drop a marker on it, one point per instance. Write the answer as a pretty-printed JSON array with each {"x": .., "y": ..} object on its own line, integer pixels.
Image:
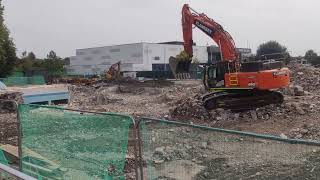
[
  {"x": 9, "y": 135},
  {"x": 172, "y": 150},
  {"x": 58, "y": 143},
  {"x": 61, "y": 143},
  {"x": 23, "y": 81}
]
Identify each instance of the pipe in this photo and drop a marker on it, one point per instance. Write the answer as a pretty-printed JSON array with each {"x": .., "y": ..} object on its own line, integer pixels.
[
  {"x": 16, "y": 173},
  {"x": 243, "y": 133}
]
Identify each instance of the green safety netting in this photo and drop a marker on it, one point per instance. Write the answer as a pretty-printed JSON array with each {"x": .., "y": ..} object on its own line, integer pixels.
[
  {"x": 64, "y": 144},
  {"x": 3, "y": 159},
  {"x": 182, "y": 151},
  {"x": 23, "y": 81}
]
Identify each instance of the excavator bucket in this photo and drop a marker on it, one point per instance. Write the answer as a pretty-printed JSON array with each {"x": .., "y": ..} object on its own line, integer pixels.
[{"x": 180, "y": 68}]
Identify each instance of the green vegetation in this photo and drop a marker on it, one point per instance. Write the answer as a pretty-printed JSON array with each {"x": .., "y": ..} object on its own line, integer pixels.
[
  {"x": 52, "y": 64},
  {"x": 7, "y": 48},
  {"x": 183, "y": 56},
  {"x": 272, "y": 50},
  {"x": 312, "y": 57},
  {"x": 9, "y": 62}
]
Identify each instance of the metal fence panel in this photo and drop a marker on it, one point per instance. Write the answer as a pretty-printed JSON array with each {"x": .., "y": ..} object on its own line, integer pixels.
[
  {"x": 9, "y": 135},
  {"x": 8, "y": 173},
  {"x": 23, "y": 81},
  {"x": 65, "y": 144},
  {"x": 173, "y": 150}
]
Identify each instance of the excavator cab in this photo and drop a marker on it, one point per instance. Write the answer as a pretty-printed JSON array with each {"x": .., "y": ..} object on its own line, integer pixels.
[
  {"x": 210, "y": 77},
  {"x": 213, "y": 75}
]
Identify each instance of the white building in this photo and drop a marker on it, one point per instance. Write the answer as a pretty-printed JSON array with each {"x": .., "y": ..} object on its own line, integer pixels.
[{"x": 134, "y": 57}]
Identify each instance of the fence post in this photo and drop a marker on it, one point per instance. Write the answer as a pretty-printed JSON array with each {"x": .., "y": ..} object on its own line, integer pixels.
[{"x": 140, "y": 159}]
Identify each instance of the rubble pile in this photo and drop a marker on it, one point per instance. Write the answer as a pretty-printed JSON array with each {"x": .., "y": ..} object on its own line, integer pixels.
[
  {"x": 191, "y": 108},
  {"x": 8, "y": 99},
  {"x": 9, "y": 128},
  {"x": 264, "y": 113},
  {"x": 11, "y": 95},
  {"x": 308, "y": 131},
  {"x": 305, "y": 76},
  {"x": 168, "y": 153},
  {"x": 80, "y": 95},
  {"x": 8, "y": 118}
]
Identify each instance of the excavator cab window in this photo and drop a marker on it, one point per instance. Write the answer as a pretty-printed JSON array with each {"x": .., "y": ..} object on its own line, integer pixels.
[
  {"x": 214, "y": 74},
  {"x": 210, "y": 76}
]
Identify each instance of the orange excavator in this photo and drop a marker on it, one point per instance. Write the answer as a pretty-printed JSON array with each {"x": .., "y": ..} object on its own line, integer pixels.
[{"x": 232, "y": 84}]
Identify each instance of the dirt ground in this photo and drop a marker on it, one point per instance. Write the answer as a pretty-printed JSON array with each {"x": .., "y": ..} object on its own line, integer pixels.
[
  {"x": 180, "y": 155},
  {"x": 246, "y": 159},
  {"x": 174, "y": 152},
  {"x": 297, "y": 117},
  {"x": 137, "y": 99},
  {"x": 8, "y": 129},
  {"x": 159, "y": 101}
]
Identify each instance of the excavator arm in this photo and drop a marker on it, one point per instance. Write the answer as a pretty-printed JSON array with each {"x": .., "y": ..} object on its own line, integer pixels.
[
  {"x": 180, "y": 66},
  {"x": 235, "y": 85},
  {"x": 214, "y": 30}
]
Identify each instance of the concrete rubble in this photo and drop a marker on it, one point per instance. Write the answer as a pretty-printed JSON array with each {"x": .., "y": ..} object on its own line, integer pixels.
[
  {"x": 8, "y": 118},
  {"x": 305, "y": 76},
  {"x": 182, "y": 101},
  {"x": 307, "y": 131}
]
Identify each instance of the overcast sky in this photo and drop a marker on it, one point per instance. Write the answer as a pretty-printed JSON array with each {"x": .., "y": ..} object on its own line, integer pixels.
[{"x": 66, "y": 25}]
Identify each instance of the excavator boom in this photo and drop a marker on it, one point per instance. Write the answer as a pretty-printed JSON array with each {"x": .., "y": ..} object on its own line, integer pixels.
[
  {"x": 237, "y": 85},
  {"x": 211, "y": 28},
  {"x": 180, "y": 67}
]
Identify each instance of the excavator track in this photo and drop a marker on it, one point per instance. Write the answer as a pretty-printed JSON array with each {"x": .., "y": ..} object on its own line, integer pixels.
[{"x": 241, "y": 99}]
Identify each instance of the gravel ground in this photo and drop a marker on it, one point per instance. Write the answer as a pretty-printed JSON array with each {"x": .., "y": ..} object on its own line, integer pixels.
[
  {"x": 297, "y": 117},
  {"x": 174, "y": 152},
  {"x": 181, "y": 101},
  {"x": 8, "y": 129}
]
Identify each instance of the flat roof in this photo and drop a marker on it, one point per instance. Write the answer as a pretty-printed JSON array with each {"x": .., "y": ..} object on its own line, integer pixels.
[{"x": 162, "y": 43}]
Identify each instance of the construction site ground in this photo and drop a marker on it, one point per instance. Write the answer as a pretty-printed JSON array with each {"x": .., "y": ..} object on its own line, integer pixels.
[
  {"x": 161, "y": 101},
  {"x": 297, "y": 117}
]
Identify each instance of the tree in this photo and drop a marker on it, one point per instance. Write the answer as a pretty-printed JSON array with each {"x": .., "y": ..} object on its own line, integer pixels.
[
  {"x": 7, "y": 48},
  {"x": 66, "y": 61},
  {"x": 272, "y": 50},
  {"x": 54, "y": 64},
  {"x": 183, "y": 56},
  {"x": 31, "y": 56},
  {"x": 52, "y": 55},
  {"x": 24, "y": 54},
  {"x": 310, "y": 55},
  {"x": 28, "y": 61}
]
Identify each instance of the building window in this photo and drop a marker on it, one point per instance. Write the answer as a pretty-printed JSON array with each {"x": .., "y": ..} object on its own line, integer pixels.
[
  {"x": 96, "y": 51},
  {"x": 157, "y": 58},
  {"x": 86, "y": 66},
  {"x": 136, "y": 55},
  {"x": 160, "y": 67},
  {"x": 96, "y": 69},
  {"x": 80, "y": 53},
  {"x": 114, "y": 50},
  {"x": 126, "y": 65},
  {"x": 105, "y": 57},
  {"x": 71, "y": 70},
  {"x": 88, "y": 58},
  {"x": 105, "y": 63},
  {"x": 147, "y": 51}
]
